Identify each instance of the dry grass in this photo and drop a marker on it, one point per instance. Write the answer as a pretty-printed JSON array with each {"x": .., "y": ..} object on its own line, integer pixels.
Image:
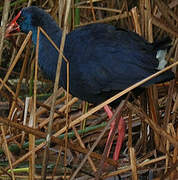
[{"x": 151, "y": 144}]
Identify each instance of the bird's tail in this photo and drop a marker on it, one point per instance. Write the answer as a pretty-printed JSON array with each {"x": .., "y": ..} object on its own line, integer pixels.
[
  {"x": 162, "y": 47},
  {"x": 163, "y": 44}
]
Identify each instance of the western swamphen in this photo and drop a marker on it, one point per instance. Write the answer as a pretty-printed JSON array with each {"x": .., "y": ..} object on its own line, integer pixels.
[{"x": 103, "y": 60}]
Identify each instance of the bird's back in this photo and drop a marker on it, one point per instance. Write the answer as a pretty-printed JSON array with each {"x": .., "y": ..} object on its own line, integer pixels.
[{"x": 104, "y": 61}]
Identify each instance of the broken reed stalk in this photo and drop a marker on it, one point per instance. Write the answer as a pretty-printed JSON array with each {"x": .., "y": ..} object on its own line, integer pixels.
[
  {"x": 92, "y": 10},
  {"x": 60, "y": 12},
  {"x": 31, "y": 136},
  {"x": 167, "y": 150},
  {"x": 16, "y": 58},
  {"x": 157, "y": 129},
  {"x": 97, "y": 141},
  {"x": 83, "y": 146},
  {"x": 98, "y": 8},
  {"x": 3, "y": 25},
  {"x": 29, "y": 3},
  {"x": 61, "y": 110},
  {"x": 12, "y": 92},
  {"x": 52, "y": 42},
  {"x": 20, "y": 80},
  {"x": 31, "y": 143},
  {"x": 169, "y": 104},
  {"x": 108, "y": 19},
  {"x": 47, "y": 102},
  {"x": 7, "y": 152},
  {"x": 26, "y": 110},
  {"x": 54, "y": 139},
  {"x": 166, "y": 12},
  {"x": 139, "y": 165},
  {"x": 48, "y": 138},
  {"x": 26, "y": 156},
  {"x": 136, "y": 21},
  {"x": 67, "y": 117},
  {"x": 133, "y": 163},
  {"x": 159, "y": 23},
  {"x": 57, "y": 162},
  {"x": 175, "y": 154},
  {"x": 154, "y": 116}
]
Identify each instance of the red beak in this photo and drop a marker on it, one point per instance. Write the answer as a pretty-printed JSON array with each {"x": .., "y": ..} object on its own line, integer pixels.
[{"x": 13, "y": 26}]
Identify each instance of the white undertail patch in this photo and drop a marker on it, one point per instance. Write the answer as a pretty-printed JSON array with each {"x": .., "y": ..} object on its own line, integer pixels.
[{"x": 161, "y": 56}]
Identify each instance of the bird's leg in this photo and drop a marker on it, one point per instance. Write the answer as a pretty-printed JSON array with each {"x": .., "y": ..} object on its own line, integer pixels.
[
  {"x": 120, "y": 138},
  {"x": 110, "y": 114},
  {"x": 121, "y": 133}
]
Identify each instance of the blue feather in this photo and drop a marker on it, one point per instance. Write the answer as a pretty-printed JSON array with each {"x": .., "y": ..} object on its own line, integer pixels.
[{"x": 103, "y": 60}]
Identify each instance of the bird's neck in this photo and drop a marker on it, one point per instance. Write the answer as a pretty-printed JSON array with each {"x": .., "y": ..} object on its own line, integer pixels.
[
  {"x": 48, "y": 55},
  {"x": 54, "y": 33}
]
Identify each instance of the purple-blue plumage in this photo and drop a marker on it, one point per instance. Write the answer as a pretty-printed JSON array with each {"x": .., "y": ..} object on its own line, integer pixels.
[{"x": 103, "y": 60}]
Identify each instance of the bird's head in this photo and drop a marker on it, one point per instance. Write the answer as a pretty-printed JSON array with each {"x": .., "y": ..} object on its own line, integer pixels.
[{"x": 28, "y": 19}]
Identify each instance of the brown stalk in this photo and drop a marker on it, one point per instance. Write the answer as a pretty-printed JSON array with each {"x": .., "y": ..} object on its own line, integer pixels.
[
  {"x": 169, "y": 104},
  {"x": 61, "y": 10},
  {"x": 99, "y": 8},
  {"x": 32, "y": 137},
  {"x": 133, "y": 163},
  {"x": 157, "y": 129},
  {"x": 47, "y": 108},
  {"x": 53, "y": 138},
  {"x": 136, "y": 21},
  {"x": 57, "y": 162},
  {"x": 108, "y": 19},
  {"x": 26, "y": 156},
  {"x": 170, "y": 170},
  {"x": 162, "y": 25},
  {"x": 92, "y": 10},
  {"x": 52, "y": 42},
  {"x": 12, "y": 92},
  {"x": 41, "y": 110},
  {"x": 3, "y": 26},
  {"x": 29, "y": 3},
  {"x": 7, "y": 152},
  {"x": 166, "y": 11},
  {"x": 142, "y": 13},
  {"x": 148, "y": 27},
  {"x": 31, "y": 145},
  {"x": 175, "y": 154},
  {"x": 130, "y": 130},
  {"x": 61, "y": 110},
  {"x": 115, "y": 115},
  {"x": 5, "y": 172},
  {"x": 20, "y": 80},
  {"x": 139, "y": 165},
  {"x": 67, "y": 114},
  {"x": 48, "y": 138},
  {"x": 167, "y": 149},
  {"x": 154, "y": 115},
  {"x": 83, "y": 146},
  {"x": 16, "y": 58}
]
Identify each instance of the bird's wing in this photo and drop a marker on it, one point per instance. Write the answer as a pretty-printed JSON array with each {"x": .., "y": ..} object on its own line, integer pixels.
[{"x": 103, "y": 58}]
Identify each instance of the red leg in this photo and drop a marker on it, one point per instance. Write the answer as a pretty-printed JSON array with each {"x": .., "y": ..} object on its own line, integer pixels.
[
  {"x": 120, "y": 139},
  {"x": 121, "y": 133},
  {"x": 110, "y": 114}
]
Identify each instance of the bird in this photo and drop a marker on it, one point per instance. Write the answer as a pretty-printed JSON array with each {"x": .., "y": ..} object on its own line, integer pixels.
[{"x": 103, "y": 59}]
